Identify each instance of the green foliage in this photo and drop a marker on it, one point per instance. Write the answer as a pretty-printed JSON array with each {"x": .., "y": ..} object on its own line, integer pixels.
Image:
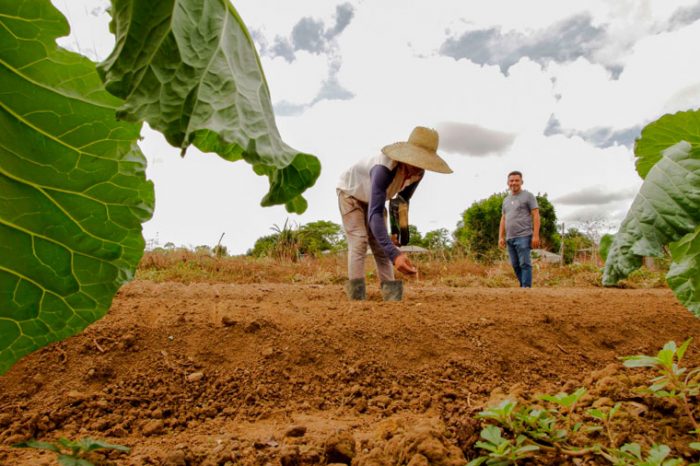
[
  {"x": 604, "y": 247},
  {"x": 72, "y": 453},
  {"x": 72, "y": 177},
  {"x": 683, "y": 276},
  {"x": 500, "y": 450},
  {"x": 72, "y": 183},
  {"x": 549, "y": 236},
  {"x": 320, "y": 236},
  {"x": 414, "y": 237},
  {"x": 477, "y": 232},
  {"x": 220, "y": 250},
  {"x": 198, "y": 80},
  {"x": 666, "y": 212},
  {"x": 630, "y": 454},
  {"x": 554, "y": 438},
  {"x": 574, "y": 241},
  {"x": 672, "y": 381},
  {"x": 438, "y": 240},
  {"x": 289, "y": 242}
]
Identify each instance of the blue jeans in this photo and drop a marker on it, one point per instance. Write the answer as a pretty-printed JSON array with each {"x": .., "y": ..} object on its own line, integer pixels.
[{"x": 519, "y": 253}]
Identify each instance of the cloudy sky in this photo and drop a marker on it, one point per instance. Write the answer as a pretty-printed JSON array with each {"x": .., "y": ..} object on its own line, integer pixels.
[{"x": 558, "y": 90}]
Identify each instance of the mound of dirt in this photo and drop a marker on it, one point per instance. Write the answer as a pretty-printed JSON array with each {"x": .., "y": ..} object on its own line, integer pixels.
[{"x": 218, "y": 374}]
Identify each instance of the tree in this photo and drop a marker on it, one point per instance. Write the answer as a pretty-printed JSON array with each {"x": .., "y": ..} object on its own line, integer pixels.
[
  {"x": 320, "y": 236},
  {"x": 438, "y": 240},
  {"x": 414, "y": 237},
  {"x": 574, "y": 241},
  {"x": 477, "y": 232},
  {"x": 290, "y": 242}
]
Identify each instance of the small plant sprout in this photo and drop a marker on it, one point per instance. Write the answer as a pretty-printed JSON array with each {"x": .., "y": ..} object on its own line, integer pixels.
[
  {"x": 72, "y": 453},
  {"x": 605, "y": 417},
  {"x": 501, "y": 413},
  {"x": 630, "y": 454},
  {"x": 673, "y": 381},
  {"x": 502, "y": 451},
  {"x": 566, "y": 401}
]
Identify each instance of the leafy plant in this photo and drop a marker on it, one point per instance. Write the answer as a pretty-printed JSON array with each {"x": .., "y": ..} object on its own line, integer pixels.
[
  {"x": 502, "y": 451},
  {"x": 72, "y": 453},
  {"x": 666, "y": 212},
  {"x": 630, "y": 454},
  {"x": 604, "y": 247},
  {"x": 198, "y": 80},
  {"x": 605, "y": 416},
  {"x": 72, "y": 178},
  {"x": 673, "y": 381}
]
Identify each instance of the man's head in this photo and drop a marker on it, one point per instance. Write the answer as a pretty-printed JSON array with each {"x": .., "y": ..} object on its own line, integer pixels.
[{"x": 515, "y": 181}]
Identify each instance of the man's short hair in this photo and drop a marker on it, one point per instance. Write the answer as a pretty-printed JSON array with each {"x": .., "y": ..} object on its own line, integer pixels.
[{"x": 515, "y": 172}]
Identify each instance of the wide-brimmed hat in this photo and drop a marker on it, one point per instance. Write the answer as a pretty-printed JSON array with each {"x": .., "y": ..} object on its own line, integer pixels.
[{"x": 420, "y": 151}]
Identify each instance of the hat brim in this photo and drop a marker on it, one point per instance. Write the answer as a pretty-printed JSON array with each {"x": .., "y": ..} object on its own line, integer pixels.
[{"x": 417, "y": 156}]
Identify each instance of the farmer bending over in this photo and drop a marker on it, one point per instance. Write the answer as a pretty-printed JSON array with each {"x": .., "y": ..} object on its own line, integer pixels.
[{"x": 362, "y": 194}]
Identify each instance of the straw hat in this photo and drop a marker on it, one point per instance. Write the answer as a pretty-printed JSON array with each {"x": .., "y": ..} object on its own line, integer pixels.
[{"x": 420, "y": 151}]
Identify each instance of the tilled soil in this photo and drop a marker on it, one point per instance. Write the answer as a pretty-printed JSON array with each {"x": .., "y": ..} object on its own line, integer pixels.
[{"x": 221, "y": 374}]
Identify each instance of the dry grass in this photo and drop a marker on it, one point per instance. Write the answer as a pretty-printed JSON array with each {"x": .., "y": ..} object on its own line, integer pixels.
[{"x": 190, "y": 267}]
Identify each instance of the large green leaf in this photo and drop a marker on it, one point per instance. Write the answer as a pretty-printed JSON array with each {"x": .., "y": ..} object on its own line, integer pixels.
[
  {"x": 684, "y": 274},
  {"x": 73, "y": 191},
  {"x": 189, "y": 68},
  {"x": 664, "y": 133},
  {"x": 666, "y": 208}
]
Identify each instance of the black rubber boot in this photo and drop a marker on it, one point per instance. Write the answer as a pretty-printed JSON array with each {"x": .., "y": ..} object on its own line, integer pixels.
[
  {"x": 392, "y": 290},
  {"x": 356, "y": 289}
]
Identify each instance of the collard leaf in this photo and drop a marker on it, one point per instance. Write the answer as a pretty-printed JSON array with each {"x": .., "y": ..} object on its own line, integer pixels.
[
  {"x": 666, "y": 208},
  {"x": 663, "y": 133},
  {"x": 684, "y": 275},
  {"x": 189, "y": 68},
  {"x": 73, "y": 191}
]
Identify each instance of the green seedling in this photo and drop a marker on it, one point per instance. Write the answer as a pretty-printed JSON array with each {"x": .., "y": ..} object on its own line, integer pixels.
[
  {"x": 70, "y": 452},
  {"x": 673, "y": 381},
  {"x": 567, "y": 402},
  {"x": 630, "y": 454},
  {"x": 605, "y": 417},
  {"x": 502, "y": 413},
  {"x": 502, "y": 451}
]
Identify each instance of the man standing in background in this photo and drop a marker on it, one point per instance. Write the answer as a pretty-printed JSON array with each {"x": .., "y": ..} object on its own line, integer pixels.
[{"x": 520, "y": 228}]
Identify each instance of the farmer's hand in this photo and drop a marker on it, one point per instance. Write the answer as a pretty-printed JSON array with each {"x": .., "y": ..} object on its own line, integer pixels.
[
  {"x": 501, "y": 243},
  {"x": 403, "y": 264},
  {"x": 535, "y": 241}
]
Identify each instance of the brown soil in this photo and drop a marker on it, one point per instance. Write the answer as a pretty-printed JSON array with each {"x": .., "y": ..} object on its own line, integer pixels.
[{"x": 220, "y": 374}]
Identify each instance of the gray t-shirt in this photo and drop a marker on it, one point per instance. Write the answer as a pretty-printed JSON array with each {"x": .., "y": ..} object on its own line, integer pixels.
[{"x": 518, "y": 211}]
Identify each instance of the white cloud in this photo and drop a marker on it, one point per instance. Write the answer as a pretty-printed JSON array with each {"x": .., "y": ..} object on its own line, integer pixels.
[
  {"x": 297, "y": 82},
  {"x": 656, "y": 74}
]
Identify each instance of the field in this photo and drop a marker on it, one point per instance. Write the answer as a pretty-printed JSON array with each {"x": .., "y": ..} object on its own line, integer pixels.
[{"x": 237, "y": 361}]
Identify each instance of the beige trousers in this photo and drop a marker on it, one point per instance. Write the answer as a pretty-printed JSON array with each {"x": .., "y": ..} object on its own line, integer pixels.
[{"x": 354, "y": 214}]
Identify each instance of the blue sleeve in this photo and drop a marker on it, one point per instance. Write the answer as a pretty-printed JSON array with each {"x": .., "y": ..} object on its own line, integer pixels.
[{"x": 380, "y": 178}]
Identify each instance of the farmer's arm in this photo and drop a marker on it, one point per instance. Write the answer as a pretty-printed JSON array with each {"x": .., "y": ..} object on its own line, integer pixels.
[
  {"x": 535, "y": 228},
  {"x": 380, "y": 178}
]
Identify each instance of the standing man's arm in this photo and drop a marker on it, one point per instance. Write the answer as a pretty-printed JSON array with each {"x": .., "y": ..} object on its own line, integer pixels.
[
  {"x": 535, "y": 228},
  {"x": 502, "y": 232}
]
